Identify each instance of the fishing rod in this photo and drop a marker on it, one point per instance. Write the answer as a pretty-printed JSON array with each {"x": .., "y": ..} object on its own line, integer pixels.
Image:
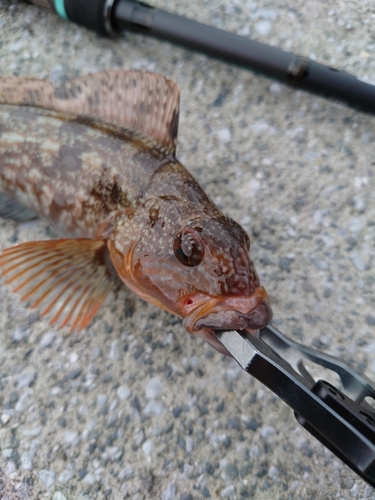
[{"x": 112, "y": 17}]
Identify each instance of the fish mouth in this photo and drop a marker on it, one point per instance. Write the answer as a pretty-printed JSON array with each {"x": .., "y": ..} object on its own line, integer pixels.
[
  {"x": 231, "y": 313},
  {"x": 235, "y": 320}
]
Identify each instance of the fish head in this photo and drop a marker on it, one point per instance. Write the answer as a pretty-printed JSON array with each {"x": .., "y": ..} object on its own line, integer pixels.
[{"x": 201, "y": 271}]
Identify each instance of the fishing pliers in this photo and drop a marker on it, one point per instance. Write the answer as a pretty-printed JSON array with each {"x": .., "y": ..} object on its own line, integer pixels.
[{"x": 341, "y": 419}]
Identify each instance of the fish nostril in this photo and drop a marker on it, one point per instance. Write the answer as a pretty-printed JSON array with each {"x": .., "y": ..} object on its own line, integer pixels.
[{"x": 218, "y": 270}]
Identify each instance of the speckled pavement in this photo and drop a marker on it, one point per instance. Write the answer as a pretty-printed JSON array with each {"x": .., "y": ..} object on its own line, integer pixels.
[{"x": 136, "y": 408}]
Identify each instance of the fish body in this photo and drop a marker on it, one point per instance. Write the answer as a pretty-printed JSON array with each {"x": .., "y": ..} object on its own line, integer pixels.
[{"x": 97, "y": 160}]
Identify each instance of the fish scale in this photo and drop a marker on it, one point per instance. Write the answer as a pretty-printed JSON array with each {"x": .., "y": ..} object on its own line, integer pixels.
[{"x": 96, "y": 158}]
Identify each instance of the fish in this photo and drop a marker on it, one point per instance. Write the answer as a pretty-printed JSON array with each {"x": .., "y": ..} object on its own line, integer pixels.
[{"x": 96, "y": 158}]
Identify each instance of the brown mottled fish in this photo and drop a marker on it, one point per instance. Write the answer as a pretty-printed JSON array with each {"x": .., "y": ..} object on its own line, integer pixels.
[{"x": 96, "y": 158}]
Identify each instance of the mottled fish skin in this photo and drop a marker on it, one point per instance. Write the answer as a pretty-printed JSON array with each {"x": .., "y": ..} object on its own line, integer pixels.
[
  {"x": 121, "y": 185},
  {"x": 77, "y": 173}
]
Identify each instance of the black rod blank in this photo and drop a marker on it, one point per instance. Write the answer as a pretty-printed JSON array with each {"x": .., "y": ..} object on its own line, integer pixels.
[{"x": 286, "y": 67}]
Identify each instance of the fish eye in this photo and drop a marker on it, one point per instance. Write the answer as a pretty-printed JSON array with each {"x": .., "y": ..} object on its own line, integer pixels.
[{"x": 188, "y": 247}]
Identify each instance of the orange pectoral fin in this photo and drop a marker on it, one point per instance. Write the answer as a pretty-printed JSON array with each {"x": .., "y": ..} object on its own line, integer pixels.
[{"x": 67, "y": 278}]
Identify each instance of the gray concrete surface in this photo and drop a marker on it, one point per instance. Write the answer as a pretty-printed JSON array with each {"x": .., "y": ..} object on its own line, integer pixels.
[{"x": 134, "y": 407}]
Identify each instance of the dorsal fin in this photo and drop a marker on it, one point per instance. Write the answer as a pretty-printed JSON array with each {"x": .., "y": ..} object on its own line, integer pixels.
[{"x": 143, "y": 102}]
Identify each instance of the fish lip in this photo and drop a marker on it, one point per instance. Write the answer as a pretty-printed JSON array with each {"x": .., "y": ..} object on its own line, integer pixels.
[
  {"x": 232, "y": 319},
  {"x": 207, "y": 326},
  {"x": 213, "y": 314},
  {"x": 206, "y": 305},
  {"x": 250, "y": 312}
]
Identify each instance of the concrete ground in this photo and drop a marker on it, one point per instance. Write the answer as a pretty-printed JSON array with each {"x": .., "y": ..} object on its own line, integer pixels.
[{"x": 135, "y": 407}]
